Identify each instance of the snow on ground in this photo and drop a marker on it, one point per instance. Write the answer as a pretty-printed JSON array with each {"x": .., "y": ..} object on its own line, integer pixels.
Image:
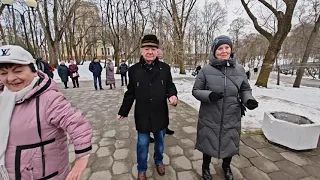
[{"x": 302, "y": 101}]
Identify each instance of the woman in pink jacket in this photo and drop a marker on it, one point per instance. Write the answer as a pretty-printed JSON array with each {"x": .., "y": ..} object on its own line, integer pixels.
[{"x": 34, "y": 122}]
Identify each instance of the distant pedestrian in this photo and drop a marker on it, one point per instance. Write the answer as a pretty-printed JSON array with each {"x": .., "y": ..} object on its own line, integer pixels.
[
  {"x": 96, "y": 69},
  {"x": 247, "y": 70},
  {"x": 45, "y": 67},
  {"x": 255, "y": 70},
  {"x": 110, "y": 74},
  {"x": 73, "y": 70},
  {"x": 196, "y": 71},
  {"x": 63, "y": 73},
  {"x": 123, "y": 71}
]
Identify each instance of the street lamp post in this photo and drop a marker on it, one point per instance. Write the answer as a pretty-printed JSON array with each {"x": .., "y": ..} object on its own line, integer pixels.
[{"x": 31, "y": 4}]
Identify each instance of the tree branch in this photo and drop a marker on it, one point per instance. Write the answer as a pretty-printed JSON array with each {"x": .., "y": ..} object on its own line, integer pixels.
[
  {"x": 271, "y": 8},
  {"x": 255, "y": 22}
]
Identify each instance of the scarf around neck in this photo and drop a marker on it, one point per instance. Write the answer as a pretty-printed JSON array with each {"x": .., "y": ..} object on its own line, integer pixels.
[{"x": 8, "y": 100}]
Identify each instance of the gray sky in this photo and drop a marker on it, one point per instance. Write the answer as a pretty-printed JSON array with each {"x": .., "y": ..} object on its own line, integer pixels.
[{"x": 234, "y": 9}]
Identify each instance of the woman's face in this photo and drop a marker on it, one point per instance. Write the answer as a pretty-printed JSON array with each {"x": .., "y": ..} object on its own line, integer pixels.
[
  {"x": 17, "y": 77},
  {"x": 223, "y": 52}
]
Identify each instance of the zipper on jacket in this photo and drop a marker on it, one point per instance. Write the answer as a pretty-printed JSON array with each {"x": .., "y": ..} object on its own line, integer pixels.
[
  {"x": 222, "y": 111},
  {"x": 31, "y": 173}
]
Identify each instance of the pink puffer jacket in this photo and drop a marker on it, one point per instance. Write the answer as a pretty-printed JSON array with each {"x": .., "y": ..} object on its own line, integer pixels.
[{"x": 27, "y": 154}]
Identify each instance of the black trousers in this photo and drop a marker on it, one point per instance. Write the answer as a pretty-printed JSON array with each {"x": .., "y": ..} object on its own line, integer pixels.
[
  {"x": 75, "y": 81},
  {"x": 123, "y": 76},
  {"x": 65, "y": 84},
  {"x": 207, "y": 160}
]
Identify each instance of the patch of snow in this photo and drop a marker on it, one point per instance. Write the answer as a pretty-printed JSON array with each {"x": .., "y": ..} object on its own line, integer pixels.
[{"x": 302, "y": 101}]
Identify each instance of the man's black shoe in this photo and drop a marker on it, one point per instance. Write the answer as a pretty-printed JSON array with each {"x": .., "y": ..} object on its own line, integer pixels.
[{"x": 168, "y": 131}]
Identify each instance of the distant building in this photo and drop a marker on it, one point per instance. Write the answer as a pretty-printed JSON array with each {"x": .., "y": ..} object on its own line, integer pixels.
[{"x": 87, "y": 33}]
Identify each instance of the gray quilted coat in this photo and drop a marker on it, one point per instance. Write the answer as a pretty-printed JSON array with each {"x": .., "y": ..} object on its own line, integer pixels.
[{"x": 219, "y": 125}]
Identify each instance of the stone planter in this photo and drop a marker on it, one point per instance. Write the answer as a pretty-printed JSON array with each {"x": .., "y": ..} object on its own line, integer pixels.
[{"x": 290, "y": 130}]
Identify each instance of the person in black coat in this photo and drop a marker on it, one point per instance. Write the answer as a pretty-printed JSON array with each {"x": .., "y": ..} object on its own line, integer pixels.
[
  {"x": 123, "y": 71},
  {"x": 150, "y": 85},
  {"x": 96, "y": 69},
  {"x": 44, "y": 67},
  {"x": 63, "y": 73}
]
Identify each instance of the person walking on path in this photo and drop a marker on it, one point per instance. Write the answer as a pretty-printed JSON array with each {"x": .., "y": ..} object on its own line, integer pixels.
[
  {"x": 160, "y": 56},
  {"x": 96, "y": 69},
  {"x": 247, "y": 70},
  {"x": 35, "y": 121},
  {"x": 110, "y": 74},
  {"x": 123, "y": 71},
  {"x": 223, "y": 89},
  {"x": 73, "y": 70},
  {"x": 150, "y": 85},
  {"x": 63, "y": 73},
  {"x": 44, "y": 67}
]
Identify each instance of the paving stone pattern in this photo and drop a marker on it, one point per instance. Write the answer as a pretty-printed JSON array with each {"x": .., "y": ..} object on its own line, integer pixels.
[{"x": 114, "y": 146}]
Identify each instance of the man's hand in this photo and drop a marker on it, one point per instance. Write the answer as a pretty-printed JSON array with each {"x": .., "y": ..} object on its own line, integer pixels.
[
  {"x": 78, "y": 169},
  {"x": 120, "y": 117},
  {"x": 173, "y": 100}
]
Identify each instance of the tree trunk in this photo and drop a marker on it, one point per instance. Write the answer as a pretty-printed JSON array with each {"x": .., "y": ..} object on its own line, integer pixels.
[
  {"x": 14, "y": 26},
  {"x": 76, "y": 57},
  {"x": 267, "y": 65},
  {"x": 32, "y": 35},
  {"x": 180, "y": 56},
  {"x": 53, "y": 53},
  {"x": 306, "y": 53},
  {"x": 116, "y": 55},
  {"x": 3, "y": 36}
]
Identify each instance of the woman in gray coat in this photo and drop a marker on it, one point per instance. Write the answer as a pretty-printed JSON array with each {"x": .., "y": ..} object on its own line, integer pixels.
[
  {"x": 110, "y": 74},
  {"x": 223, "y": 89}
]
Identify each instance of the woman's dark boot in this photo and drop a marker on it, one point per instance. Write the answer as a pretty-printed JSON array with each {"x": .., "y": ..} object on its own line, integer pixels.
[
  {"x": 206, "y": 174},
  {"x": 227, "y": 173},
  {"x": 226, "y": 168}
]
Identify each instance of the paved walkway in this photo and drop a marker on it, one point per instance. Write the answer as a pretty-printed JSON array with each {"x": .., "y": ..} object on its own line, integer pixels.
[{"x": 114, "y": 143}]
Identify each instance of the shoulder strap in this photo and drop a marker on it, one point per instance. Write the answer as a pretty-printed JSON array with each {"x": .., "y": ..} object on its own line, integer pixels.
[
  {"x": 228, "y": 78},
  {"x": 39, "y": 132}
]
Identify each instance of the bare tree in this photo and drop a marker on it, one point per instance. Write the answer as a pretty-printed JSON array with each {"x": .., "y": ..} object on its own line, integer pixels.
[
  {"x": 311, "y": 40},
  {"x": 275, "y": 40},
  {"x": 235, "y": 30},
  {"x": 213, "y": 16},
  {"x": 62, "y": 14},
  {"x": 179, "y": 12}
]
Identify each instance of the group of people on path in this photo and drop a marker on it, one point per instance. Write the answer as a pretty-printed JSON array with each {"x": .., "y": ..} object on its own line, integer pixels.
[
  {"x": 36, "y": 117},
  {"x": 72, "y": 71},
  {"x": 96, "y": 68}
]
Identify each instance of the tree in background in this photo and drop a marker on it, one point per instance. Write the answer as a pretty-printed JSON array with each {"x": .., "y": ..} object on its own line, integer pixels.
[
  {"x": 283, "y": 27},
  {"x": 311, "y": 39}
]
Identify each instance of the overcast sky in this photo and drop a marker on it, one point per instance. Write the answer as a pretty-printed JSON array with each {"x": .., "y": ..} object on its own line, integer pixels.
[{"x": 234, "y": 10}]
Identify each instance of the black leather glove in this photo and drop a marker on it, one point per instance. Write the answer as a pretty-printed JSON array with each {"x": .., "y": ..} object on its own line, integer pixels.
[
  {"x": 213, "y": 96},
  {"x": 252, "y": 104}
]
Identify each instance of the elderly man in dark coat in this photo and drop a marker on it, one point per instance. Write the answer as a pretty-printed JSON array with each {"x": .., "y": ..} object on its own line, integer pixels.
[
  {"x": 223, "y": 89},
  {"x": 150, "y": 85}
]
